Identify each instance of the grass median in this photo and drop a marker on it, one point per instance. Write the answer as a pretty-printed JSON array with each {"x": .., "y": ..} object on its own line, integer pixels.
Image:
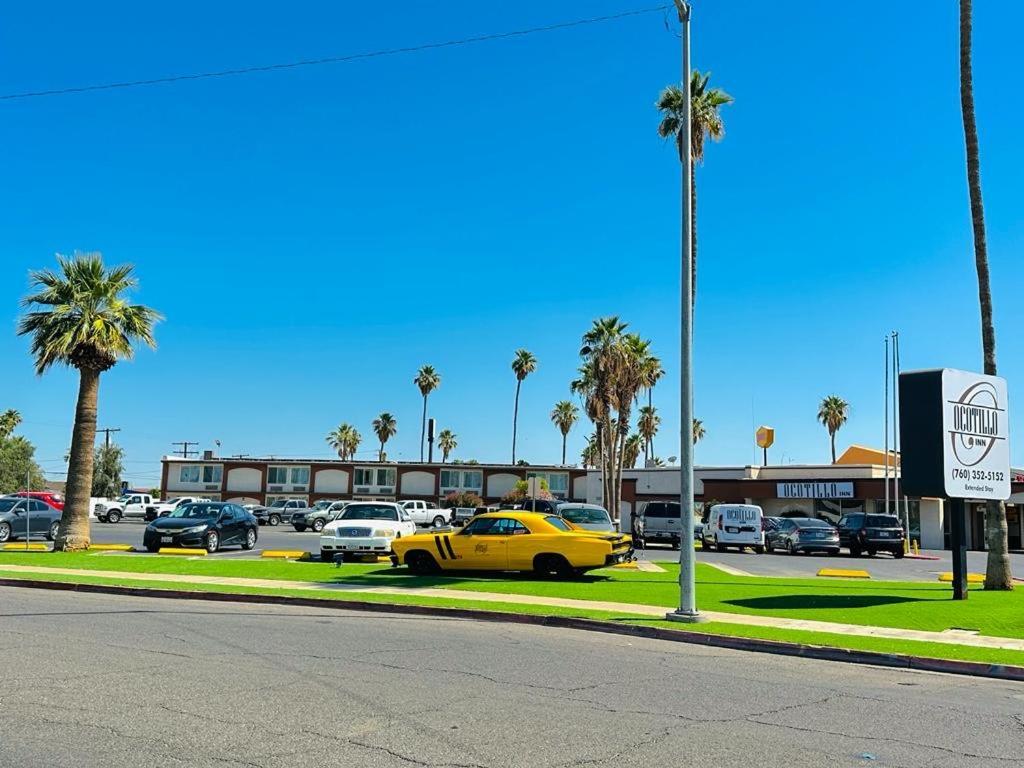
[{"x": 922, "y": 606}]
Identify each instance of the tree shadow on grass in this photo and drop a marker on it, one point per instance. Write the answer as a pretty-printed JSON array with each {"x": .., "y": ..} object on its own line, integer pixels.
[{"x": 803, "y": 602}]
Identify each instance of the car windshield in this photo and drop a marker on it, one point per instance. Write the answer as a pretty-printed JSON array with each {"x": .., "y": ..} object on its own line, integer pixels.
[
  {"x": 322, "y": 505},
  {"x": 583, "y": 515},
  {"x": 369, "y": 512},
  {"x": 882, "y": 521},
  {"x": 175, "y": 500},
  {"x": 811, "y": 523},
  {"x": 196, "y": 511}
]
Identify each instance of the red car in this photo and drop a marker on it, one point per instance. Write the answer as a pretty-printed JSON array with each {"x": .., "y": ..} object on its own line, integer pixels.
[{"x": 52, "y": 498}]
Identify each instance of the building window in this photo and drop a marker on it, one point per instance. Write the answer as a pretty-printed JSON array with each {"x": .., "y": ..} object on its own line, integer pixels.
[
  {"x": 277, "y": 475},
  {"x": 300, "y": 475},
  {"x": 189, "y": 473},
  {"x": 459, "y": 480},
  {"x": 558, "y": 482},
  {"x": 212, "y": 473},
  {"x": 375, "y": 476}
]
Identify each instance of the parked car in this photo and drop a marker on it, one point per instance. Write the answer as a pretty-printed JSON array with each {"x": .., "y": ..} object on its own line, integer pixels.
[
  {"x": 129, "y": 505},
  {"x": 161, "y": 508},
  {"x": 426, "y": 513},
  {"x": 733, "y": 525},
  {"x": 802, "y": 534},
  {"x": 462, "y": 515},
  {"x": 589, "y": 517},
  {"x": 21, "y": 516},
  {"x": 547, "y": 506},
  {"x": 365, "y": 528},
  {"x": 658, "y": 522},
  {"x": 513, "y": 541},
  {"x": 317, "y": 516},
  {"x": 278, "y": 510},
  {"x": 861, "y": 532},
  {"x": 52, "y": 498},
  {"x": 206, "y": 524}
]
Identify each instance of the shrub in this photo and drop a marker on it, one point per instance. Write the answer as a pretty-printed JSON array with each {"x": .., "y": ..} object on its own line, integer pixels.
[{"x": 462, "y": 499}]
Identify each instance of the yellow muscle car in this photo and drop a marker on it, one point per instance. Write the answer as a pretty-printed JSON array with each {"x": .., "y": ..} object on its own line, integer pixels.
[{"x": 513, "y": 541}]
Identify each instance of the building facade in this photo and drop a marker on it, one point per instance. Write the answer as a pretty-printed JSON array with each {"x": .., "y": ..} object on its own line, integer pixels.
[{"x": 261, "y": 481}]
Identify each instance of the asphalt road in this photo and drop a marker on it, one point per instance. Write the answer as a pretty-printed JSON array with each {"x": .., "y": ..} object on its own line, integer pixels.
[{"x": 92, "y": 680}]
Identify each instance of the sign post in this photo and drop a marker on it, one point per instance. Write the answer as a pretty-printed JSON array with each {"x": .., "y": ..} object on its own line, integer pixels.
[{"x": 954, "y": 432}]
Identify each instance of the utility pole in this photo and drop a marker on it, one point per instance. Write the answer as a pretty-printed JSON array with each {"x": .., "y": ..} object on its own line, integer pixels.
[
  {"x": 106, "y": 439},
  {"x": 687, "y": 611},
  {"x": 185, "y": 450},
  {"x": 886, "y": 428}
]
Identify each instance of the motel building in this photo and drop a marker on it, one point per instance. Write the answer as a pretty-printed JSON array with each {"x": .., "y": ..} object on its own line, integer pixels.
[{"x": 855, "y": 483}]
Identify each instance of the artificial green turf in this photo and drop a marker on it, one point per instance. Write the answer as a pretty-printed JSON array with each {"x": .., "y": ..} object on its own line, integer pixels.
[
  {"x": 879, "y": 645},
  {"x": 908, "y": 605}
]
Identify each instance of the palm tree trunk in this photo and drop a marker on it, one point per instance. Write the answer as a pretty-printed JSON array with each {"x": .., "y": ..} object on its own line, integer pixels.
[
  {"x": 423, "y": 428},
  {"x": 693, "y": 233},
  {"x": 565, "y": 438},
  {"x": 74, "y": 522},
  {"x": 515, "y": 419},
  {"x": 832, "y": 439},
  {"x": 380, "y": 456},
  {"x": 997, "y": 570}
]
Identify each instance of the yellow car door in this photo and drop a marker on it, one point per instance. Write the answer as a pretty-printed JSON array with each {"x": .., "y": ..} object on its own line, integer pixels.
[{"x": 482, "y": 545}]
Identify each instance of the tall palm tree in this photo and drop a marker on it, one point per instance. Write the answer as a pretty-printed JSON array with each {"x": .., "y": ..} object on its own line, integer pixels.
[
  {"x": 427, "y": 380},
  {"x": 631, "y": 450},
  {"x": 705, "y": 122},
  {"x": 339, "y": 439},
  {"x": 81, "y": 317},
  {"x": 833, "y": 413},
  {"x": 698, "y": 431},
  {"x": 385, "y": 427},
  {"x": 523, "y": 364},
  {"x": 447, "y": 441},
  {"x": 9, "y": 421},
  {"x": 647, "y": 425},
  {"x": 564, "y": 415},
  {"x": 352, "y": 441},
  {"x": 591, "y": 452},
  {"x": 997, "y": 570}
]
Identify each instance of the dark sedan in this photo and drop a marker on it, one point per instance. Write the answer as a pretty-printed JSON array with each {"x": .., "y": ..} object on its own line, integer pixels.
[
  {"x": 20, "y": 515},
  {"x": 802, "y": 534},
  {"x": 209, "y": 525}
]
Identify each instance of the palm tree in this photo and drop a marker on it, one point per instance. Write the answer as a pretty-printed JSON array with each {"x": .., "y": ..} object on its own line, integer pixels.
[
  {"x": 647, "y": 425},
  {"x": 833, "y": 413},
  {"x": 352, "y": 441},
  {"x": 631, "y": 450},
  {"x": 339, "y": 440},
  {"x": 997, "y": 570},
  {"x": 427, "y": 380},
  {"x": 9, "y": 421},
  {"x": 385, "y": 427},
  {"x": 447, "y": 441},
  {"x": 705, "y": 121},
  {"x": 564, "y": 415},
  {"x": 83, "y": 319},
  {"x": 523, "y": 364},
  {"x": 591, "y": 452},
  {"x": 698, "y": 431}
]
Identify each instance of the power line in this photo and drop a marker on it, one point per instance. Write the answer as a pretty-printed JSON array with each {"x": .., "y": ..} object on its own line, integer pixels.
[
  {"x": 108, "y": 430},
  {"x": 185, "y": 447},
  {"x": 333, "y": 59}
]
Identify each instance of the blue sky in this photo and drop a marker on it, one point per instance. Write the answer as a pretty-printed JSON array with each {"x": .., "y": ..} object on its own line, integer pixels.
[{"x": 313, "y": 236}]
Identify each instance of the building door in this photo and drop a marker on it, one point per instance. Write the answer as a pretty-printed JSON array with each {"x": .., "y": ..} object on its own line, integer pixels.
[
  {"x": 1013, "y": 526},
  {"x": 976, "y": 522}
]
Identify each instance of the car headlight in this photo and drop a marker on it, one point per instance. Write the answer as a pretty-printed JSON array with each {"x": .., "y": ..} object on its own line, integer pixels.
[
  {"x": 193, "y": 529},
  {"x": 384, "y": 533}
]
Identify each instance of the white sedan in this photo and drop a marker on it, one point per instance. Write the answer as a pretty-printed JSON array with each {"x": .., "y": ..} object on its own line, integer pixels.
[{"x": 365, "y": 528}]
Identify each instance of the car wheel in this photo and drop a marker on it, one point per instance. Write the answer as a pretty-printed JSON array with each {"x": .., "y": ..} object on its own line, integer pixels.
[
  {"x": 318, "y": 525},
  {"x": 52, "y": 533},
  {"x": 790, "y": 549},
  {"x": 719, "y": 547},
  {"x": 759, "y": 550},
  {"x": 274, "y": 520},
  {"x": 769, "y": 547},
  {"x": 5, "y": 532},
  {"x": 674, "y": 544},
  {"x": 438, "y": 522},
  {"x": 300, "y": 528},
  {"x": 421, "y": 563},
  {"x": 326, "y": 556},
  {"x": 872, "y": 553},
  {"x": 548, "y": 565},
  {"x": 250, "y": 539},
  {"x": 153, "y": 549},
  {"x": 212, "y": 542},
  {"x": 898, "y": 554},
  {"x": 113, "y": 516},
  {"x": 854, "y": 551}
]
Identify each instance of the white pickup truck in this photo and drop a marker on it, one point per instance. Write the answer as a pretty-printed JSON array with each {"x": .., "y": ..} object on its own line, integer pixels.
[
  {"x": 426, "y": 513},
  {"x": 130, "y": 505}
]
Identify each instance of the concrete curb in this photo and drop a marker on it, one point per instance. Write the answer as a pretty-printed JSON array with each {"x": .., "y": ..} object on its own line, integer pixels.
[{"x": 755, "y": 645}]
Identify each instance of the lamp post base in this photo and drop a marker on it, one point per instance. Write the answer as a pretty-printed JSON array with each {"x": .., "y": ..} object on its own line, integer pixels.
[{"x": 685, "y": 617}]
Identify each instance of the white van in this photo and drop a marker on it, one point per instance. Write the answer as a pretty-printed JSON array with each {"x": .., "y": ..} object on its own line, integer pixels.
[{"x": 733, "y": 525}]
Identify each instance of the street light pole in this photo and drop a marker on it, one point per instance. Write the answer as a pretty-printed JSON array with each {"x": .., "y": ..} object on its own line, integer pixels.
[{"x": 687, "y": 611}]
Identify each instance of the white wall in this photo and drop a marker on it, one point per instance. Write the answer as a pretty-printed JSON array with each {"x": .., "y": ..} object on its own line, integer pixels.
[
  {"x": 243, "y": 500},
  {"x": 330, "y": 481},
  {"x": 417, "y": 484},
  {"x": 500, "y": 484},
  {"x": 931, "y": 524},
  {"x": 579, "y": 488},
  {"x": 242, "y": 479}
]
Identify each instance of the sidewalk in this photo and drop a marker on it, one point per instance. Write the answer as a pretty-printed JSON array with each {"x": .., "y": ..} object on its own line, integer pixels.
[{"x": 948, "y": 637}]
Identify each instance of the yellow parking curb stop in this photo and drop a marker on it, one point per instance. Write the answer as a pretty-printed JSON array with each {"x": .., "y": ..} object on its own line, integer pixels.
[
  {"x": 629, "y": 564},
  {"x": 112, "y": 547},
  {"x": 36, "y": 546},
  {"x": 972, "y": 578},
  {"x": 180, "y": 551},
  {"x": 286, "y": 554},
  {"x": 844, "y": 573}
]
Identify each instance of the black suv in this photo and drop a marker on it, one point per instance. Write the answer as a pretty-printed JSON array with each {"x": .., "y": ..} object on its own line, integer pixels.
[{"x": 862, "y": 532}]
